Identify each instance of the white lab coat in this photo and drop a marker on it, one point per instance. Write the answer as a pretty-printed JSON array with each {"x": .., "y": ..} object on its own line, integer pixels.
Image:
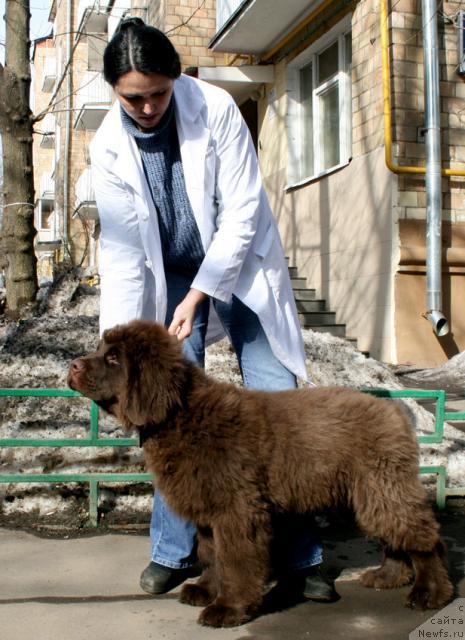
[{"x": 243, "y": 251}]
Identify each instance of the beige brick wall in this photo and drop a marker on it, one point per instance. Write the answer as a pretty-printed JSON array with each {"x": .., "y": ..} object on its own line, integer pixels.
[
  {"x": 79, "y": 140},
  {"x": 367, "y": 104},
  {"x": 190, "y": 25},
  {"x": 43, "y": 157},
  {"x": 407, "y": 73},
  {"x": 407, "y": 82}
]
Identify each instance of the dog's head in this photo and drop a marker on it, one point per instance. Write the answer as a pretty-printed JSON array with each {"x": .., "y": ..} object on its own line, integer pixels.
[{"x": 136, "y": 373}]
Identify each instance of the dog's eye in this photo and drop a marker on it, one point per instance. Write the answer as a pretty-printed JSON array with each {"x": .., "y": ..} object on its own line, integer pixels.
[{"x": 111, "y": 358}]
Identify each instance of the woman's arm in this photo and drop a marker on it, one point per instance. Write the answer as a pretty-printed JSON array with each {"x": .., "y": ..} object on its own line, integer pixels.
[
  {"x": 183, "y": 317},
  {"x": 239, "y": 192}
]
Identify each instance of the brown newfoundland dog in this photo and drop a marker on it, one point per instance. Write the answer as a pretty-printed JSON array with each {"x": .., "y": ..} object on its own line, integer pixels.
[{"x": 229, "y": 459}]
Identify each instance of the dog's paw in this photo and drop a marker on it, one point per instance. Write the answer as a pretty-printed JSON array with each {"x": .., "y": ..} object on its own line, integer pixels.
[
  {"x": 195, "y": 595},
  {"x": 420, "y": 598},
  {"x": 218, "y": 615},
  {"x": 433, "y": 598},
  {"x": 383, "y": 579}
]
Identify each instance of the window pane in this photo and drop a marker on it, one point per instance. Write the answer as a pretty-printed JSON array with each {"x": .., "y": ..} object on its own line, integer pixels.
[
  {"x": 348, "y": 51},
  {"x": 306, "y": 96},
  {"x": 329, "y": 126},
  {"x": 46, "y": 215},
  {"x": 328, "y": 63}
]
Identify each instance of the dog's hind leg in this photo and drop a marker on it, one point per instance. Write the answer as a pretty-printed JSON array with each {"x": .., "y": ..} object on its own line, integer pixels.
[
  {"x": 205, "y": 589},
  {"x": 432, "y": 588},
  {"x": 396, "y": 571},
  {"x": 393, "y": 509}
]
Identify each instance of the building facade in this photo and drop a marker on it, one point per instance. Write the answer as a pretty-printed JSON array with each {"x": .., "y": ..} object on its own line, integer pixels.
[{"x": 333, "y": 93}]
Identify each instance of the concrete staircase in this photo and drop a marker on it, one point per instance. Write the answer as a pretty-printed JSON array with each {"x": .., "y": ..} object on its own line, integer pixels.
[{"x": 312, "y": 311}]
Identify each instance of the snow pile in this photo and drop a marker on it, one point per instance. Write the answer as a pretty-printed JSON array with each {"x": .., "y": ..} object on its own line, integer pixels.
[
  {"x": 449, "y": 375},
  {"x": 36, "y": 352}
]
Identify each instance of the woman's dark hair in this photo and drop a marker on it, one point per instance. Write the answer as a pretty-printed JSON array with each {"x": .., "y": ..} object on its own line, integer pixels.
[{"x": 138, "y": 47}]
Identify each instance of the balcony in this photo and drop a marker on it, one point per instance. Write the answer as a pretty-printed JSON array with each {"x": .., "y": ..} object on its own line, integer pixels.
[
  {"x": 46, "y": 247},
  {"x": 49, "y": 73},
  {"x": 45, "y": 220},
  {"x": 119, "y": 9},
  {"x": 251, "y": 27},
  {"x": 47, "y": 186},
  {"x": 224, "y": 10},
  {"x": 241, "y": 82},
  {"x": 93, "y": 100},
  {"x": 85, "y": 197},
  {"x": 47, "y": 130},
  {"x": 92, "y": 16}
]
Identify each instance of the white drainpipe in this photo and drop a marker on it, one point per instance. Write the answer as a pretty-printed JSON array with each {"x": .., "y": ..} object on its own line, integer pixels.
[{"x": 433, "y": 169}]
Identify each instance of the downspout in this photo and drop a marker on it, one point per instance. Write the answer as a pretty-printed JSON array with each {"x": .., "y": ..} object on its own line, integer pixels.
[
  {"x": 69, "y": 89},
  {"x": 433, "y": 170}
]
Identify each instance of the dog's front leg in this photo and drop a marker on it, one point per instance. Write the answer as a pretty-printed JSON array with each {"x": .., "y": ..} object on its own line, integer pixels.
[
  {"x": 242, "y": 567},
  {"x": 205, "y": 589}
]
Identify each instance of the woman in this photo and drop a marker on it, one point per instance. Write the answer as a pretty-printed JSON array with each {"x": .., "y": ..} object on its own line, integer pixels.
[{"x": 188, "y": 239}]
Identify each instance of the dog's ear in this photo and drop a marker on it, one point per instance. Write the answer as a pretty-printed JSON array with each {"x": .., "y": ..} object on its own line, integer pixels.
[{"x": 155, "y": 370}]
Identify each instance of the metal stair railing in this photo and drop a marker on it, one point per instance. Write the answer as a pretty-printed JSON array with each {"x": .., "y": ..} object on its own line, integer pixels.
[{"x": 94, "y": 440}]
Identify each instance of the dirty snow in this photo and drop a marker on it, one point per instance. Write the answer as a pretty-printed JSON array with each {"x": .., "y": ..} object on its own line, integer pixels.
[{"x": 36, "y": 352}]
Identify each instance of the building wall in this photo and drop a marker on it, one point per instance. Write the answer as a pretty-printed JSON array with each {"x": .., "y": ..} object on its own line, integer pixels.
[
  {"x": 343, "y": 230},
  {"x": 80, "y": 229},
  {"x": 72, "y": 158},
  {"x": 43, "y": 157},
  {"x": 416, "y": 344},
  {"x": 190, "y": 25},
  {"x": 340, "y": 229},
  {"x": 416, "y": 341}
]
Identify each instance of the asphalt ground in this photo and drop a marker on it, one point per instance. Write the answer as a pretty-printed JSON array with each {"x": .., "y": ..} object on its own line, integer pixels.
[{"x": 86, "y": 588}]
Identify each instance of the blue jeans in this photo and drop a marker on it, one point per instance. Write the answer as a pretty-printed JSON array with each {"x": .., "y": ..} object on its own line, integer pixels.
[{"x": 173, "y": 539}]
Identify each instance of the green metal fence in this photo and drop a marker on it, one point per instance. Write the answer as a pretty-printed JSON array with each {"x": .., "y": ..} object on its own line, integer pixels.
[
  {"x": 94, "y": 440},
  {"x": 436, "y": 437}
]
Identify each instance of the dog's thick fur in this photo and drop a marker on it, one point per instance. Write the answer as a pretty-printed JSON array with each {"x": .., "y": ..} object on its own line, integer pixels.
[{"x": 230, "y": 459}]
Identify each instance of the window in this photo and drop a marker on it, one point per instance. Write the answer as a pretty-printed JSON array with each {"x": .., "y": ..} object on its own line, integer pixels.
[
  {"x": 319, "y": 114},
  {"x": 44, "y": 217}
]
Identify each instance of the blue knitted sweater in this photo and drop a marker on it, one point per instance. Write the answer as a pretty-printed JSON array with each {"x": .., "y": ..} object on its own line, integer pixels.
[{"x": 161, "y": 158}]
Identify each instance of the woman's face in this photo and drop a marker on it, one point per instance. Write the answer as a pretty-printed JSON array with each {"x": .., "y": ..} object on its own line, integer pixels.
[{"x": 144, "y": 97}]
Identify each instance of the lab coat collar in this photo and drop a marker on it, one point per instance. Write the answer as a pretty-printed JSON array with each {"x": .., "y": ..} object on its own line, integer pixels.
[
  {"x": 189, "y": 98},
  {"x": 193, "y": 141},
  {"x": 189, "y": 102}
]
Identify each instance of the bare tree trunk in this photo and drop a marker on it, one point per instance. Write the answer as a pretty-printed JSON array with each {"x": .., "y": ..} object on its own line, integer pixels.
[{"x": 16, "y": 126}]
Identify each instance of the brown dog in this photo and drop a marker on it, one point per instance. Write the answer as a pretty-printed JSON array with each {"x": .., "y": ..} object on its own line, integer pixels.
[{"x": 228, "y": 459}]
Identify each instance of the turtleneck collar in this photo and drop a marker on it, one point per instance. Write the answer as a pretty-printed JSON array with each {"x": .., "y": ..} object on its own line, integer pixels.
[{"x": 157, "y": 131}]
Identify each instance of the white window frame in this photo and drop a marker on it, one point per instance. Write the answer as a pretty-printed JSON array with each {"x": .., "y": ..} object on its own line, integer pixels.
[{"x": 294, "y": 121}]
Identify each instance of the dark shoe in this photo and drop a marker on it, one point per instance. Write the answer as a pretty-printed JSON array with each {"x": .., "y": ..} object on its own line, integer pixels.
[
  {"x": 316, "y": 587},
  {"x": 157, "y": 579}
]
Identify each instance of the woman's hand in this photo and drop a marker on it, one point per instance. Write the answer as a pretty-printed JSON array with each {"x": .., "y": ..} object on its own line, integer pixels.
[{"x": 183, "y": 317}]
